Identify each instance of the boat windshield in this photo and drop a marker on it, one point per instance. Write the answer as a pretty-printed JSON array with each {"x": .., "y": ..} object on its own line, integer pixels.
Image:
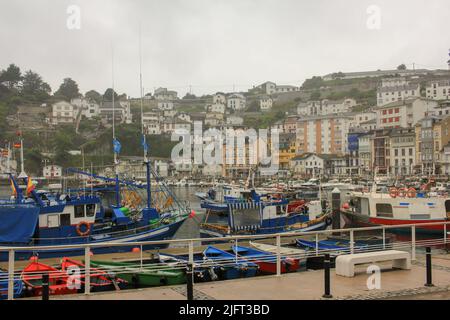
[{"x": 246, "y": 217}]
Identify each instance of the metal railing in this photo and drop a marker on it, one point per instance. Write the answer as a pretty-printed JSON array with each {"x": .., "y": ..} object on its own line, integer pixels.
[{"x": 278, "y": 255}]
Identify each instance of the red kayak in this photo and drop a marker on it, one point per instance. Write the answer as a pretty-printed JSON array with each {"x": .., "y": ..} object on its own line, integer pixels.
[
  {"x": 266, "y": 261},
  {"x": 58, "y": 281},
  {"x": 100, "y": 280}
]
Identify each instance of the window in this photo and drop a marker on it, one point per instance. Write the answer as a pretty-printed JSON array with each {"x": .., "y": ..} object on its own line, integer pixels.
[
  {"x": 90, "y": 210},
  {"x": 384, "y": 210},
  {"x": 79, "y": 211},
  {"x": 397, "y": 110},
  {"x": 65, "y": 220}
]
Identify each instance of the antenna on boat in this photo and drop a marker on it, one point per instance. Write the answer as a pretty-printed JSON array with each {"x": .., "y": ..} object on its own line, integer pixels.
[
  {"x": 144, "y": 139},
  {"x": 116, "y": 144}
]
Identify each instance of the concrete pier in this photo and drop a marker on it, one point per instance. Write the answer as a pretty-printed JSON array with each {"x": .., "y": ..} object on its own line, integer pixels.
[{"x": 308, "y": 285}]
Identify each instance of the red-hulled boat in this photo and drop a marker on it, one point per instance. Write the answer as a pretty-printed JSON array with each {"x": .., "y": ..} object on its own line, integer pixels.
[
  {"x": 100, "y": 280},
  {"x": 58, "y": 280},
  {"x": 266, "y": 261}
]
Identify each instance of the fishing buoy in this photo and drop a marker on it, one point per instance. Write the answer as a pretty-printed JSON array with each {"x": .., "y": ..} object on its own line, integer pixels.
[
  {"x": 91, "y": 253},
  {"x": 135, "y": 250},
  {"x": 192, "y": 214},
  {"x": 345, "y": 206},
  {"x": 34, "y": 259}
]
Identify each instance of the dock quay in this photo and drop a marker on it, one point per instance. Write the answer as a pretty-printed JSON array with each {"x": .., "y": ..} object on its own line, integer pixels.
[
  {"x": 427, "y": 273},
  {"x": 307, "y": 285}
]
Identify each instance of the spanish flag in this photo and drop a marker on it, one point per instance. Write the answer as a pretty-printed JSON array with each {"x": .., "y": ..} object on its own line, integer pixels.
[{"x": 30, "y": 186}]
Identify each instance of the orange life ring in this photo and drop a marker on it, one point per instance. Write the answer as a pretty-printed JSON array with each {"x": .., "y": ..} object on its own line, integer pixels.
[
  {"x": 88, "y": 228},
  {"x": 411, "y": 193},
  {"x": 393, "y": 192},
  {"x": 402, "y": 192}
]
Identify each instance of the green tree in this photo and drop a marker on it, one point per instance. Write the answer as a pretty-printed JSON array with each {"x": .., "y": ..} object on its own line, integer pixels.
[
  {"x": 94, "y": 96},
  {"x": 68, "y": 90},
  {"x": 34, "y": 88},
  {"x": 401, "y": 67},
  {"x": 315, "y": 95},
  {"x": 11, "y": 77},
  {"x": 107, "y": 96}
]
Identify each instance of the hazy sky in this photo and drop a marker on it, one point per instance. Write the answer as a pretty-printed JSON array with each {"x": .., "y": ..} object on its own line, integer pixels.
[{"x": 215, "y": 44}]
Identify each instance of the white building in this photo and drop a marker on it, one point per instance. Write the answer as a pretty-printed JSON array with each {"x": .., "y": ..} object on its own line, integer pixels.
[
  {"x": 164, "y": 94},
  {"x": 438, "y": 90},
  {"x": 445, "y": 156},
  {"x": 121, "y": 112},
  {"x": 216, "y": 108},
  {"x": 184, "y": 117},
  {"x": 169, "y": 113},
  {"x": 324, "y": 107},
  {"x": 214, "y": 119},
  {"x": 363, "y": 117},
  {"x": 404, "y": 113},
  {"x": 265, "y": 103},
  {"x": 219, "y": 98},
  {"x": 161, "y": 168},
  {"x": 396, "y": 89},
  {"x": 52, "y": 171},
  {"x": 89, "y": 109},
  {"x": 63, "y": 113},
  {"x": 268, "y": 87},
  {"x": 165, "y": 105},
  {"x": 236, "y": 101},
  {"x": 235, "y": 120},
  {"x": 151, "y": 123}
]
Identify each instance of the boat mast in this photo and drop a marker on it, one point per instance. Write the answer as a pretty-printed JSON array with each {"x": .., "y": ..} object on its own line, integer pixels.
[
  {"x": 144, "y": 140},
  {"x": 114, "y": 131},
  {"x": 22, "y": 166}
]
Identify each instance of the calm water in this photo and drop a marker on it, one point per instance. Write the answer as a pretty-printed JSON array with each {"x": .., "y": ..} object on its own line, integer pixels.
[{"x": 189, "y": 229}]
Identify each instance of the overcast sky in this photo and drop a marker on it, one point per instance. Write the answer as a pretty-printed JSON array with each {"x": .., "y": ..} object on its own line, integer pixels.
[{"x": 215, "y": 44}]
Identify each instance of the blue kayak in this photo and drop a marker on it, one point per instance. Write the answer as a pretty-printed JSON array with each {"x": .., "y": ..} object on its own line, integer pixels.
[
  {"x": 330, "y": 245},
  {"x": 229, "y": 266}
]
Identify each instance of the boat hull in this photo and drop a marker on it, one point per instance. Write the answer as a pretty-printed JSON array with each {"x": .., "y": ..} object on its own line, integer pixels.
[
  {"x": 162, "y": 233},
  {"x": 359, "y": 220}
]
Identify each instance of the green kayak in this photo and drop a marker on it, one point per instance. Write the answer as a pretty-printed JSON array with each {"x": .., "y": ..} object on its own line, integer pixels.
[{"x": 147, "y": 276}]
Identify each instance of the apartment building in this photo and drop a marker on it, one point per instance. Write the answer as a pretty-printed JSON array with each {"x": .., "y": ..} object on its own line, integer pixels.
[
  {"x": 63, "y": 113},
  {"x": 438, "y": 89},
  {"x": 396, "y": 89},
  {"x": 265, "y": 103},
  {"x": 325, "y": 107},
  {"x": 236, "y": 101},
  {"x": 323, "y": 134},
  {"x": 403, "y": 151},
  {"x": 404, "y": 113}
]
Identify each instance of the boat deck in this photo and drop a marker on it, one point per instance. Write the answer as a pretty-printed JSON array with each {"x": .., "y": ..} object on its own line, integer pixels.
[{"x": 308, "y": 285}]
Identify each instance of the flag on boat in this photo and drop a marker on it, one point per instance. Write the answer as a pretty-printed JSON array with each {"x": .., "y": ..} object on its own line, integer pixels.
[
  {"x": 13, "y": 188},
  {"x": 30, "y": 186},
  {"x": 117, "y": 146},
  {"x": 144, "y": 143}
]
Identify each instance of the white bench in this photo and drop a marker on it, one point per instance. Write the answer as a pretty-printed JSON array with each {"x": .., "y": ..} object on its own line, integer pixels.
[{"x": 345, "y": 264}]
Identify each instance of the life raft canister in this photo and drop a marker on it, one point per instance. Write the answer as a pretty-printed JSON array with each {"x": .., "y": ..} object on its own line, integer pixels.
[{"x": 86, "y": 225}]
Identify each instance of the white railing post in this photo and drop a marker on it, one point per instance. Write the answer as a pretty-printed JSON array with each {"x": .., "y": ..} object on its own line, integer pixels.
[
  {"x": 445, "y": 234},
  {"x": 87, "y": 270},
  {"x": 413, "y": 243},
  {"x": 278, "y": 255},
  {"x": 317, "y": 244},
  {"x": 236, "y": 250},
  {"x": 191, "y": 252},
  {"x": 352, "y": 245},
  {"x": 11, "y": 257},
  {"x": 142, "y": 263},
  {"x": 384, "y": 238}
]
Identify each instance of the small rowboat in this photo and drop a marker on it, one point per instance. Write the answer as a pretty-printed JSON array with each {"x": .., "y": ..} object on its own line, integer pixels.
[
  {"x": 100, "y": 280},
  {"x": 331, "y": 245},
  {"x": 267, "y": 261},
  {"x": 59, "y": 282},
  {"x": 18, "y": 286},
  {"x": 149, "y": 275},
  {"x": 229, "y": 266},
  {"x": 286, "y": 251}
]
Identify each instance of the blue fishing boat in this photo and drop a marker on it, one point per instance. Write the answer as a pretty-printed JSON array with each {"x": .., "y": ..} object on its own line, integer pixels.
[
  {"x": 266, "y": 261},
  {"x": 265, "y": 217},
  {"x": 230, "y": 266},
  {"x": 18, "y": 286},
  {"x": 331, "y": 245}
]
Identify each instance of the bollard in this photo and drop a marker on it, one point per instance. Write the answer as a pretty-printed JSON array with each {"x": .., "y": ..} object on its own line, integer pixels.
[
  {"x": 429, "y": 268},
  {"x": 326, "y": 268},
  {"x": 45, "y": 287},
  {"x": 190, "y": 282}
]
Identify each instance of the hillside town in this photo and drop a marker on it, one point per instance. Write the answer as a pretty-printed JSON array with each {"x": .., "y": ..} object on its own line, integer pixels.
[{"x": 392, "y": 122}]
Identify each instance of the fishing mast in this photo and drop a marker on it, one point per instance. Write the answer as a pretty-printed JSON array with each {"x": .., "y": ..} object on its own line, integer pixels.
[
  {"x": 116, "y": 144},
  {"x": 144, "y": 140}
]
